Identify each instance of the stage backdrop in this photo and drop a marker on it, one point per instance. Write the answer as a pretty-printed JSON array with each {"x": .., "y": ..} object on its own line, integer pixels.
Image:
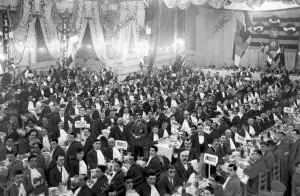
[{"x": 216, "y": 29}]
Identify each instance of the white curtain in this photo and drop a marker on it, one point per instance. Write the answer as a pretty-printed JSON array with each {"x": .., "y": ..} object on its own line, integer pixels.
[
  {"x": 22, "y": 32},
  {"x": 50, "y": 32},
  {"x": 128, "y": 9},
  {"x": 80, "y": 24},
  {"x": 97, "y": 33}
]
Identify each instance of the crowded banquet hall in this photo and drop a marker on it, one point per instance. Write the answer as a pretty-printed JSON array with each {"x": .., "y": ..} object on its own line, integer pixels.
[{"x": 169, "y": 98}]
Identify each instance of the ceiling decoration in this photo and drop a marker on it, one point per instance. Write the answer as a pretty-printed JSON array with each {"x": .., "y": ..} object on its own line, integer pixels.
[{"x": 250, "y": 5}]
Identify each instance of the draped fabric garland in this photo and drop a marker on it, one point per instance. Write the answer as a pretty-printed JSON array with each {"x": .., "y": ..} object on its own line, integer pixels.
[
  {"x": 218, "y": 4},
  {"x": 111, "y": 44},
  {"x": 97, "y": 33},
  {"x": 153, "y": 17},
  {"x": 24, "y": 29},
  {"x": 49, "y": 30}
]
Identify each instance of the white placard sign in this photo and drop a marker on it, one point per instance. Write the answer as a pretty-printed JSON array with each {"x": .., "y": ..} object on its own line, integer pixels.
[
  {"x": 79, "y": 124},
  {"x": 239, "y": 139},
  {"x": 288, "y": 110},
  {"x": 210, "y": 159},
  {"x": 122, "y": 145},
  {"x": 207, "y": 129}
]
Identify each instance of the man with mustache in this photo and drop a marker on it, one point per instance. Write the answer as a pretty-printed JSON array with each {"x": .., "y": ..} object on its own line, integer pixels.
[{"x": 183, "y": 168}]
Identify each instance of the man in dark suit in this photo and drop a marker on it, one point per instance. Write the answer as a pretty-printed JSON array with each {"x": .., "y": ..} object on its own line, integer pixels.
[
  {"x": 95, "y": 156},
  {"x": 117, "y": 182},
  {"x": 155, "y": 135},
  {"x": 183, "y": 168},
  {"x": 72, "y": 148},
  {"x": 95, "y": 112},
  {"x": 35, "y": 178},
  {"x": 153, "y": 162},
  {"x": 232, "y": 185},
  {"x": 56, "y": 150},
  {"x": 118, "y": 131},
  {"x": 82, "y": 189},
  {"x": 81, "y": 117},
  {"x": 101, "y": 185},
  {"x": 214, "y": 149},
  {"x": 13, "y": 164},
  {"x": 139, "y": 133},
  {"x": 18, "y": 187},
  {"x": 88, "y": 144},
  {"x": 135, "y": 171},
  {"x": 167, "y": 183},
  {"x": 200, "y": 141},
  {"x": 59, "y": 173},
  {"x": 148, "y": 188}
]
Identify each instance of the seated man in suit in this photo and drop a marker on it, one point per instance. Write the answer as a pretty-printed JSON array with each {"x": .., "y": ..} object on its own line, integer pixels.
[
  {"x": 35, "y": 178},
  {"x": 13, "y": 164},
  {"x": 82, "y": 189},
  {"x": 78, "y": 166},
  {"x": 148, "y": 188},
  {"x": 167, "y": 183},
  {"x": 153, "y": 162},
  {"x": 101, "y": 185},
  {"x": 135, "y": 171},
  {"x": 232, "y": 185},
  {"x": 58, "y": 175},
  {"x": 72, "y": 148},
  {"x": 183, "y": 168},
  {"x": 95, "y": 156},
  {"x": 55, "y": 151},
  {"x": 18, "y": 187}
]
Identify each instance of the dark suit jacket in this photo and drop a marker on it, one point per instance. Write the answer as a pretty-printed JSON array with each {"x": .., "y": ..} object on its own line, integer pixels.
[
  {"x": 118, "y": 183},
  {"x": 14, "y": 190},
  {"x": 98, "y": 189},
  {"x": 165, "y": 186},
  {"x": 95, "y": 115},
  {"x": 17, "y": 165},
  {"x": 233, "y": 187},
  {"x": 73, "y": 168},
  {"x": 38, "y": 189},
  {"x": 115, "y": 132},
  {"x": 144, "y": 189},
  {"x": 57, "y": 151},
  {"x": 85, "y": 191},
  {"x": 88, "y": 145},
  {"x": 182, "y": 173},
  {"x": 155, "y": 165},
  {"x": 72, "y": 151},
  {"x": 136, "y": 172},
  {"x": 91, "y": 159},
  {"x": 54, "y": 177},
  {"x": 200, "y": 148}
]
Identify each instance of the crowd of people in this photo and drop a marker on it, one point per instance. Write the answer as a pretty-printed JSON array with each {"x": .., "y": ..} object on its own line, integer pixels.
[{"x": 60, "y": 128}]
